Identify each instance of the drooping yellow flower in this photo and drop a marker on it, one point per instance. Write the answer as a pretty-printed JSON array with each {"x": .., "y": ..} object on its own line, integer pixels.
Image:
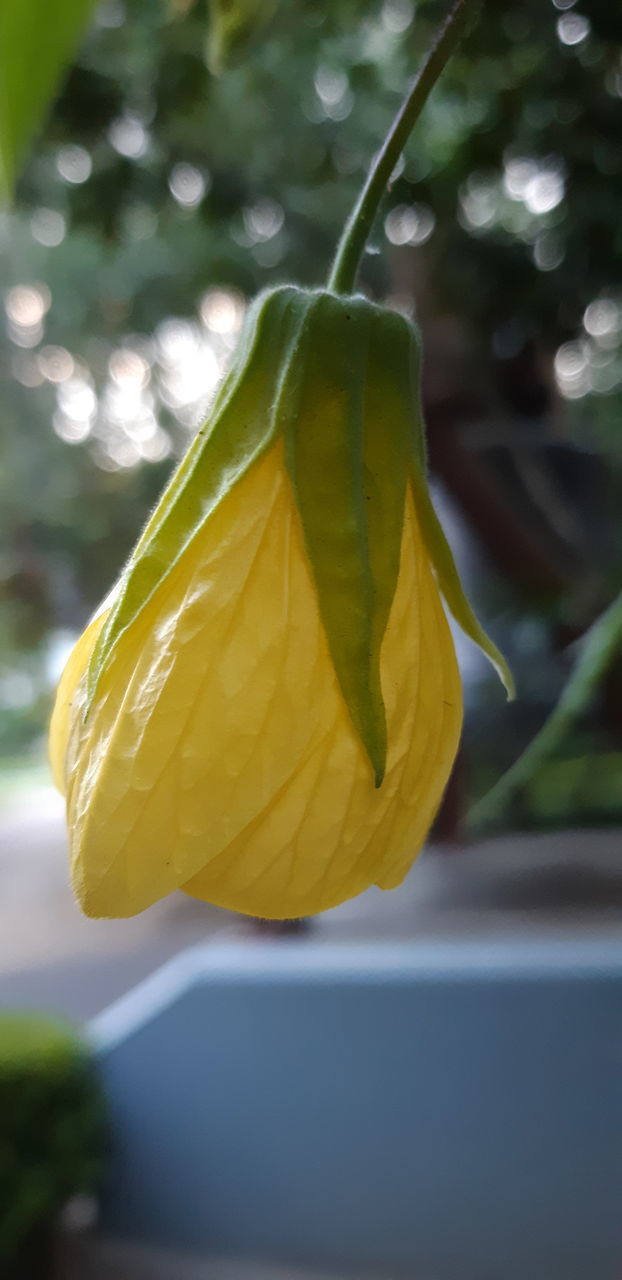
[{"x": 266, "y": 711}]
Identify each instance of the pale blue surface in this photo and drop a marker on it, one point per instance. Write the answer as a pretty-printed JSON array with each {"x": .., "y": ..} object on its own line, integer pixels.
[{"x": 454, "y": 1110}]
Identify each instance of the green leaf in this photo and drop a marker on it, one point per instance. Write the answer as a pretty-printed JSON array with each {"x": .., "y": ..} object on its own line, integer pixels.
[
  {"x": 239, "y": 429},
  {"x": 448, "y": 577},
  {"x": 346, "y": 447},
  {"x": 37, "y": 43}
]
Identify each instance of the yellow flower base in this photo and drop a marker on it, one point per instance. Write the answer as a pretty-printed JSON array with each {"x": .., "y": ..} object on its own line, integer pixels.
[{"x": 219, "y": 755}]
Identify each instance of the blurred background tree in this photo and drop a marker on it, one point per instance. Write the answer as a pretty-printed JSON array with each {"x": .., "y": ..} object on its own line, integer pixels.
[{"x": 160, "y": 196}]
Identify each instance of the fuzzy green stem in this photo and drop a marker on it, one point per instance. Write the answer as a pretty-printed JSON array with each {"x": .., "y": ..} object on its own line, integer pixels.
[
  {"x": 358, "y": 227},
  {"x": 599, "y": 647}
]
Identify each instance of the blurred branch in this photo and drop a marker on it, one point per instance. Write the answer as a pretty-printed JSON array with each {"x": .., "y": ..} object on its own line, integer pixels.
[{"x": 598, "y": 649}]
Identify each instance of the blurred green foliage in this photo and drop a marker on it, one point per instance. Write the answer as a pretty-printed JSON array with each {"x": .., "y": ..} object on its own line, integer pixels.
[
  {"x": 51, "y": 1134},
  {"x": 34, "y": 54},
  {"x": 234, "y": 26},
  {"x": 159, "y": 193},
  {"x": 573, "y": 786}
]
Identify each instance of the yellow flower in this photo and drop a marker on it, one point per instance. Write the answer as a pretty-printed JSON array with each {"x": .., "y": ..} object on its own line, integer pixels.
[{"x": 266, "y": 712}]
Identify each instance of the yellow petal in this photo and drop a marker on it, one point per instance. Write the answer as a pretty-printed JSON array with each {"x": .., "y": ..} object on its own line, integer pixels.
[
  {"x": 220, "y": 756},
  {"x": 62, "y": 715}
]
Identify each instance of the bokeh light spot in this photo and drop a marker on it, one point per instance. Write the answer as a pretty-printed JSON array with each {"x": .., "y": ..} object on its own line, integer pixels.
[
  {"x": 601, "y": 318},
  {"x": 409, "y": 224},
  {"x": 129, "y": 137},
  {"x": 573, "y": 28},
  {"x": 74, "y": 164},
  {"x": 55, "y": 364},
  {"x": 263, "y": 220},
  {"x": 48, "y": 227},
  {"x": 187, "y": 185},
  {"x": 222, "y": 311}
]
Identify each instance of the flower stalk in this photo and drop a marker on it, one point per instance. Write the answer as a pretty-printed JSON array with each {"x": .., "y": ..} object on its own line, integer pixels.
[{"x": 356, "y": 232}]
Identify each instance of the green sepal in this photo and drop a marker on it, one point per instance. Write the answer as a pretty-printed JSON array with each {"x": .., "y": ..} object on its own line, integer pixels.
[
  {"x": 239, "y": 429},
  {"x": 439, "y": 550},
  {"x": 346, "y": 450}
]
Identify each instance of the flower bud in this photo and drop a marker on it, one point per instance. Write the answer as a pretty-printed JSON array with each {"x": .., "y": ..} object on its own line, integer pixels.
[{"x": 266, "y": 711}]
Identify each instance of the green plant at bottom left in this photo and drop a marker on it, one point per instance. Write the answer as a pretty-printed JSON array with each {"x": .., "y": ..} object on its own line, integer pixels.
[{"x": 52, "y": 1136}]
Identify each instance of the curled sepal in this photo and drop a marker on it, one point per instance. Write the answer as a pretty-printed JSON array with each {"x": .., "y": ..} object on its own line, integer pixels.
[
  {"x": 448, "y": 577},
  {"x": 239, "y": 429},
  {"x": 438, "y": 548},
  {"x": 346, "y": 450}
]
